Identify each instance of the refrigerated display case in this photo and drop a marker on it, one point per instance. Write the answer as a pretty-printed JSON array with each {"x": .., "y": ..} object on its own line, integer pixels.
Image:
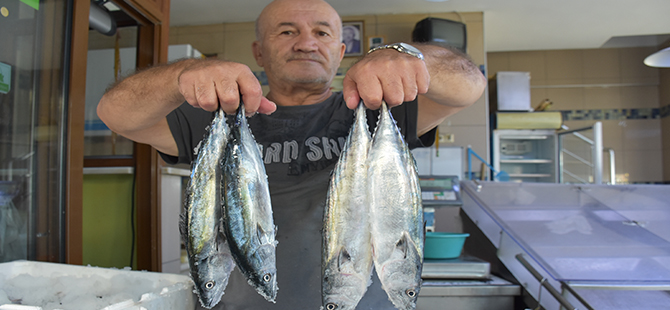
[
  {"x": 526, "y": 155},
  {"x": 34, "y": 66}
]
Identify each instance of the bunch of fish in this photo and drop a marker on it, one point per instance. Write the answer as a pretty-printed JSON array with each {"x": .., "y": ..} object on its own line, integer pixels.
[
  {"x": 227, "y": 218},
  {"x": 373, "y": 215}
]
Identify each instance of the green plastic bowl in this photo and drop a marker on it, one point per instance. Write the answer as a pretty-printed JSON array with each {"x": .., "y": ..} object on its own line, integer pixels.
[{"x": 443, "y": 245}]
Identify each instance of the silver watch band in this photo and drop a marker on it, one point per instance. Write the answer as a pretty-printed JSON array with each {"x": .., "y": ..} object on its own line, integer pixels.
[{"x": 402, "y": 48}]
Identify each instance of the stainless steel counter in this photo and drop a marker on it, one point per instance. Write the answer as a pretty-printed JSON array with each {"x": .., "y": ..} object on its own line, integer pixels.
[
  {"x": 492, "y": 294},
  {"x": 601, "y": 247}
]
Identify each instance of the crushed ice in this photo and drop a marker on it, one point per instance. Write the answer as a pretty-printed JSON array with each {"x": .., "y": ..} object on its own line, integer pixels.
[{"x": 72, "y": 292}]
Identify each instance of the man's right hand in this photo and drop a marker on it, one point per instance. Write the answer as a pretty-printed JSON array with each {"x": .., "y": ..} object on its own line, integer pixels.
[
  {"x": 208, "y": 84},
  {"x": 137, "y": 106}
]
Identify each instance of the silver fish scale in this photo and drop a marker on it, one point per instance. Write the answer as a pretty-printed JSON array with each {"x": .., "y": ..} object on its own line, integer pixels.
[
  {"x": 248, "y": 223},
  {"x": 347, "y": 254},
  {"x": 209, "y": 258},
  {"x": 396, "y": 214}
]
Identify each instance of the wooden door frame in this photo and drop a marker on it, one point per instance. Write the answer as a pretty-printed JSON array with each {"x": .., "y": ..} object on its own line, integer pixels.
[
  {"x": 153, "y": 37},
  {"x": 74, "y": 176}
]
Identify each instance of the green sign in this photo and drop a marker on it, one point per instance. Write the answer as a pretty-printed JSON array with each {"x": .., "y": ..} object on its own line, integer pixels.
[
  {"x": 35, "y": 4},
  {"x": 5, "y": 78}
]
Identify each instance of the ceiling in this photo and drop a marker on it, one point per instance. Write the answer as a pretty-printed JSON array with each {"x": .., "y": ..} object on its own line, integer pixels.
[{"x": 509, "y": 25}]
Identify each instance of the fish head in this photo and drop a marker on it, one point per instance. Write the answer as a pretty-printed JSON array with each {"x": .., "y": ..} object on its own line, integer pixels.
[
  {"x": 401, "y": 274},
  {"x": 210, "y": 277},
  {"x": 342, "y": 292},
  {"x": 343, "y": 286},
  {"x": 265, "y": 279},
  {"x": 401, "y": 279}
]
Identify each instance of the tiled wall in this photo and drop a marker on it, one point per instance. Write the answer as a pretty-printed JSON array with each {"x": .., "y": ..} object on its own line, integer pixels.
[
  {"x": 233, "y": 41},
  {"x": 612, "y": 86}
]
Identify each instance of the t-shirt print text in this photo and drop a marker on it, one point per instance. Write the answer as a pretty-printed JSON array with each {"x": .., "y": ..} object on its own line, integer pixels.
[{"x": 315, "y": 153}]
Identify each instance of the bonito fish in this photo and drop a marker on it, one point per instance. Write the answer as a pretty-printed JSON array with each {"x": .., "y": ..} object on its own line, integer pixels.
[
  {"x": 347, "y": 254},
  {"x": 209, "y": 258},
  {"x": 247, "y": 216},
  {"x": 396, "y": 214}
]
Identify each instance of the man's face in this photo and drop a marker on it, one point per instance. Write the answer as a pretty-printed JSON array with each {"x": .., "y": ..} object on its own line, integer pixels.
[{"x": 299, "y": 42}]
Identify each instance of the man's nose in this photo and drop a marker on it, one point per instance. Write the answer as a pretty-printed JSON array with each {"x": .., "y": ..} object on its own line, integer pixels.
[{"x": 307, "y": 42}]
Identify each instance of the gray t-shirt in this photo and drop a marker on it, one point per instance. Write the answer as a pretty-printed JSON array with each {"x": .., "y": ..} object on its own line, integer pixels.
[{"x": 301, "y": 145}]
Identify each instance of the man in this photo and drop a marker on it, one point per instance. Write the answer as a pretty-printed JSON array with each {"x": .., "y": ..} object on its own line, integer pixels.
[
  {"x": 349, "y": 39},
  {"x": 301, "y": 124}
]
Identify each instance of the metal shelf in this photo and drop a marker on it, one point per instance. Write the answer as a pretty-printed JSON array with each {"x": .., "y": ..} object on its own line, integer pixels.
[
  {"x": 529, "y": 175},
  {"x": 526, "y": 161}
]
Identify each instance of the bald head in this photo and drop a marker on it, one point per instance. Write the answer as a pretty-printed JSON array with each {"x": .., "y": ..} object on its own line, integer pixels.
[
  {"x": 285, "y": 8},
  {"x": 299, "y": 45}
]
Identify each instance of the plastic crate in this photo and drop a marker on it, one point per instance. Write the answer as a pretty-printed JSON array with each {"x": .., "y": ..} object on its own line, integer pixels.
[{"x": 46, "y": 286}]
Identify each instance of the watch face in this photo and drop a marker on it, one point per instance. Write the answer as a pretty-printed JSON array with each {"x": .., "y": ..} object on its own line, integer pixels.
[
  {"x": 410, "y": 48},
  {"x": 404, "y": 47}
]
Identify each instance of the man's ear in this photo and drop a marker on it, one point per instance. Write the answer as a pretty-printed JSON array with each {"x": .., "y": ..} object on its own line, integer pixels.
[
  {"x": 258, "y": 55},
  {"x": 343, "y": 48}
]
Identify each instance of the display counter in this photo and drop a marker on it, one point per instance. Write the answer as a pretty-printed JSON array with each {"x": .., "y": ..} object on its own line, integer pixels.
[{"x": 578, "y": 238}]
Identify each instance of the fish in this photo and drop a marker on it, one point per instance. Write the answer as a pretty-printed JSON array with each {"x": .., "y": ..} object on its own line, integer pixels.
[
  {"x": 247, "y": 214},
  {"x": 346, "y": 252},
  {"x": 396, "y": 214},
  {"x": 210, "y": 260}
]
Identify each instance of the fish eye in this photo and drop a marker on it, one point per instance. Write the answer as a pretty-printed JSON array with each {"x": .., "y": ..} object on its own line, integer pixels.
[
  {"x": 267, "y": 277},
  {"x": 411, "y": 293},
  {"x": 331, "y": 306},
  {"x": 210, "y": 285}
]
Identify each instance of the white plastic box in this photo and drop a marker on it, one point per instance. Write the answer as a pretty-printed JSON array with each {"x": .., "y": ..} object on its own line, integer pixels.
[{"x": 47, "y": 286}]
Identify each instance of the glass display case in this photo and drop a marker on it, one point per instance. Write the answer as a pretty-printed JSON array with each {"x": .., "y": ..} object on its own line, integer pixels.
[{"x": 34, "y": 44}]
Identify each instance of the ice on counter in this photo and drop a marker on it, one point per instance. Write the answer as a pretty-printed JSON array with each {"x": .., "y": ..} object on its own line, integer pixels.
[{"x": 78, "y": 287}]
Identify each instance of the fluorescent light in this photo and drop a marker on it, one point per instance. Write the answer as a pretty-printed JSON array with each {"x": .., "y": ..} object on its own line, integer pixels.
[{"x": 660, "y": 59}]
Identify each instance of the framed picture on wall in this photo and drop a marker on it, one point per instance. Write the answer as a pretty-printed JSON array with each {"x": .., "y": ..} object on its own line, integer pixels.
[
  {"x": 352, "y": 37},
  {"x": 374, "y": 41}
]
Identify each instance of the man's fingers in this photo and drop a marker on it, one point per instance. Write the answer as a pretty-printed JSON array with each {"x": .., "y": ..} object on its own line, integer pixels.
[
  {"x": 251, "y": 91},
  {"x": 350, "y": 92},
  {"x": 410, "y": 90},
  {"x": 267, "y": 106},
  {"x": 385, "y": 75},
  {"x": 212, "y": 84},
  {"x": 187, "y": 90},
  {"x": 423, "y": 80},
  {"x": 393, "y": 90},
  {"x": 366, "y": 87},
  {"x": 228, "y": 95},
  {"x": 206, "y": 97}
]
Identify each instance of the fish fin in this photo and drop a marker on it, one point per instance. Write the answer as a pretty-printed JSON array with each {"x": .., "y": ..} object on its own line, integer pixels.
[
  {"x": 259, "y": 233},
  {"x": 402, "y": 245},
  {"x": 343, "y": 258},
  {"x": 183, "y": 225},
  {"x": 262, "y": 235}
]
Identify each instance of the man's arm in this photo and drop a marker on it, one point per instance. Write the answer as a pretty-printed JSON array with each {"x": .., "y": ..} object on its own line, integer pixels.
[
  {"x": 455, "y": 83},
  {"x": 445, "y": 82},
  {"x": 137, "y": 106}
]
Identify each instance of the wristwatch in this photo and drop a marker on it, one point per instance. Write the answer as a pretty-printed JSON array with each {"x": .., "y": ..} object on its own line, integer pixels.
[{"x": 400, "y": 47}]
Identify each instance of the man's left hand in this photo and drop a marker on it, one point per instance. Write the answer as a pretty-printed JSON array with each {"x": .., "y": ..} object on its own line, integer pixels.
[{"x": 385, "y": 75}]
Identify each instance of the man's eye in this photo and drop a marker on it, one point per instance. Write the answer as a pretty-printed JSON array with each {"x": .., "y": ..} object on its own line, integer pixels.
[
  {"x": 287, "y": 32},
  {"x": 324, "y": 34}
]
